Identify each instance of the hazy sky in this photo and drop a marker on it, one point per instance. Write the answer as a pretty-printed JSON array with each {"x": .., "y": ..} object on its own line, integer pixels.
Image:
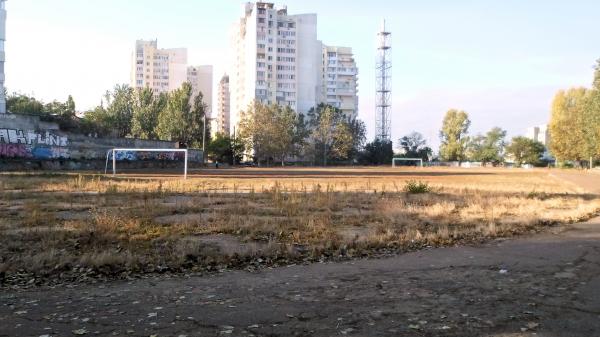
[{"x": 500, "y": 60}]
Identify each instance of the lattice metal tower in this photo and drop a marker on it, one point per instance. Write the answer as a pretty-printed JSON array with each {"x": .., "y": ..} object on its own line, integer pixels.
[{"x": 383, "y": 96}]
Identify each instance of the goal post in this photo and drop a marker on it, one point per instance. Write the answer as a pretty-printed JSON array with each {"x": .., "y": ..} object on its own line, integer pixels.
[
  {"x": 114, "y": 153},
  {"x": 418, "y": 160}
]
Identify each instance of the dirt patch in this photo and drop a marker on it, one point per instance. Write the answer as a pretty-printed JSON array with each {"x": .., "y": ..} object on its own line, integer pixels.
[
  {"x": 184, "y": 219},
  {"x": 230, "y": 245}
]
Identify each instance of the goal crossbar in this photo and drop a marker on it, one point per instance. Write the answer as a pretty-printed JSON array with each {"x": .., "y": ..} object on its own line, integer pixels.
[
  {"x": 115, "y": 151},
  {"x": 407, "y": 160}
]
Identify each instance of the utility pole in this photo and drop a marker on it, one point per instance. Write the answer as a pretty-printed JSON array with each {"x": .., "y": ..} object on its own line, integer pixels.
[{"x": 204, "y": 140}]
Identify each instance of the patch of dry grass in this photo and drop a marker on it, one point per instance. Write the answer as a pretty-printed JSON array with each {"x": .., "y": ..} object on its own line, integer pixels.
[{"x": 60, "y": 224}]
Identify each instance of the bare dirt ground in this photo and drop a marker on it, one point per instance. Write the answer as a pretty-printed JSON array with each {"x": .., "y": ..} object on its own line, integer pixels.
[{"x": 542, "y": 285}]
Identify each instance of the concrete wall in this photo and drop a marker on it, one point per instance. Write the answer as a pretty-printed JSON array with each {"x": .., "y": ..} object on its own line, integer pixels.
[{"x": 30, "y": 143}]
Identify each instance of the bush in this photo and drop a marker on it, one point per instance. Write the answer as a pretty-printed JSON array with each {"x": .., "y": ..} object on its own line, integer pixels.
[{"x": 416, "y": 187}]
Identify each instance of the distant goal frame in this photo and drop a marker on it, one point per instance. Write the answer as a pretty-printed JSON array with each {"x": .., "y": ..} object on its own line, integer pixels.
[
  {"x": 116, "y": 150},
  {"x": 419, "y": 160}
]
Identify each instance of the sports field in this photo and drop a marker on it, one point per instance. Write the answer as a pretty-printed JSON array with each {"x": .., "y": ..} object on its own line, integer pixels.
[{"x": 57, "y": 228}]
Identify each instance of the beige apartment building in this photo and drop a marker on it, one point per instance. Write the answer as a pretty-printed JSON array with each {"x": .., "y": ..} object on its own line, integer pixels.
[
  {"x": 223, "y": 107},
  {"x": 165, "y": 70},
  {"x": 279, "y": 60},
  {"x": 201, "y": 79},
  {"x": 162, "y": 70},
  {"x": 340, "y": 80}
]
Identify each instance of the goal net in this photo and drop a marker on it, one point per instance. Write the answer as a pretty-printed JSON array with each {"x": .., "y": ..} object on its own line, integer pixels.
[
  {"x": 397, "y": 161},
  {"x": 144, "y": 154}
]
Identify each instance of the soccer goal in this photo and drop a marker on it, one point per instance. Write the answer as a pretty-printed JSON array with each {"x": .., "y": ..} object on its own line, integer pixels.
[
  {"x": 130, "y": 154},
  {"x": 396, "y": 160}
]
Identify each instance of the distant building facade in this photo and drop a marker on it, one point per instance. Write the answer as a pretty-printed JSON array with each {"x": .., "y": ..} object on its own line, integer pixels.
[
  {"x": 279, "y": 60},
  {"x": 201, "y": 79},
  {"x": 2, "y": 54},
  {"x": 539, "y": 134},
  {"x": 340, "y": 80},
  {"x": 223, "y": 107},
  {"x": 162, "y": 70}
]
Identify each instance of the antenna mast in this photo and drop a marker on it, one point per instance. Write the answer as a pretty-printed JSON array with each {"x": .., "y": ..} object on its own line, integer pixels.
[{"x": 384, "y": 84}]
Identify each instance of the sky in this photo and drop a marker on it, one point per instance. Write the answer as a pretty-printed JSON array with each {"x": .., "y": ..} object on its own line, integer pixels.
[{"x": 502, "y": 61}]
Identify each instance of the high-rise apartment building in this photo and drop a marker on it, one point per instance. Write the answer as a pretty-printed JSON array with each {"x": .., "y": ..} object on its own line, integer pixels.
[
  {"x": 539, "y": 134},
  {"x": 162, "y": 70},
  {"x": 277, "y": 59},
  {"x": 223, "y": 107},
  {"x": 340, "y": 80},
  {"x": 2, "y": 54},
  {"x": 201, "y": 79}
]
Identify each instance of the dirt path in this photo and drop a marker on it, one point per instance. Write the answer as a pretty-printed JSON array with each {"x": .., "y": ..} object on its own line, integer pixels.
[{"x": 545, "y": 285}]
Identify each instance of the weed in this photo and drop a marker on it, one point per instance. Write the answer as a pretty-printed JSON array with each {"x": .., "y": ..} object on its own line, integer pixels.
[{"x": 416, "y": 187}]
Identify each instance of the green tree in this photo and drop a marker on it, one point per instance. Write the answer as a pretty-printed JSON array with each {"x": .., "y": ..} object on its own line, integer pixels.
[
  {"x": 119, "y": 110},
  {"x": 225, "y": 149},
  {"x": 358, "y": 130},
  {"x": 23, "y": 104},
  {"x": 525, "y": 151},
  {"x": 488, "y": 148},
  {"x": 378, "y": 152},
  {"x": 454, "y": 135},
  {"x": 414, "y": 145},
  {"x": 269, "y": 131},
  {"x": 181, "y": 121},
  {"x": 332, "y": 134},
  {"x": 146, "y": 109}
]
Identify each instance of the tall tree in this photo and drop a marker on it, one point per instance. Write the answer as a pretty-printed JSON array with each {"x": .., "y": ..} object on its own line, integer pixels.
[
  {"x": 269, "y": 131},
  {"x": 414, "y": 145},
  {"x": 592, "y": 124},
  {"x": 568, "y": 125},
  {"x": 454, "y": 135},
  {"x": 146, "y": 109},
  {"x": 332, "y": 133},
  {"x": 525, "y": 151},
  {"x": 120, "y": 109},
  {"x": 488, "y": 148},
  {"x": 181, "y": 121},
  {"x": 358, "y": 130}
]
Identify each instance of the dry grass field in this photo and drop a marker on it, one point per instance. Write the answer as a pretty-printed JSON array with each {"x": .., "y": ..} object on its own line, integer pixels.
[{"x": 58, "y": 228}]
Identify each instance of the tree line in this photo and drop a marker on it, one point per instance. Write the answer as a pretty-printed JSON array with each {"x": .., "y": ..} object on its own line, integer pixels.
[
  {"x": 273, "y": 133},
  {"x": 575, "y": 124},
  {"x": 177, "y": 116}
]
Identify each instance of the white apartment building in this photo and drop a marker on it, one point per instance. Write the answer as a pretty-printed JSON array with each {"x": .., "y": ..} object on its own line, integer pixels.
[
  {"x": 201, "y": 79},
  {"x": 223, "y": 107},
  {"x": 2, "y": 54},
  {"x": 539, "y": 134},
  {"x": 340, "y": 80},
  {"x": 162, "y": 70},
  {"x": 277, "y": 60}
]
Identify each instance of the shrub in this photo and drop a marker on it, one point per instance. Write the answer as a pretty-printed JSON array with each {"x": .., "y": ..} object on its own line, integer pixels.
[{"x": 416, "y": 187}]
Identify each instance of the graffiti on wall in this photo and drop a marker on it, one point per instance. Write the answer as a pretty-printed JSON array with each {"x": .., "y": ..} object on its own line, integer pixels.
[
  {"x": 13, "y": 136},
  {"x": 140, "y": 156},
  {"x": 32, "y": 145}
]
